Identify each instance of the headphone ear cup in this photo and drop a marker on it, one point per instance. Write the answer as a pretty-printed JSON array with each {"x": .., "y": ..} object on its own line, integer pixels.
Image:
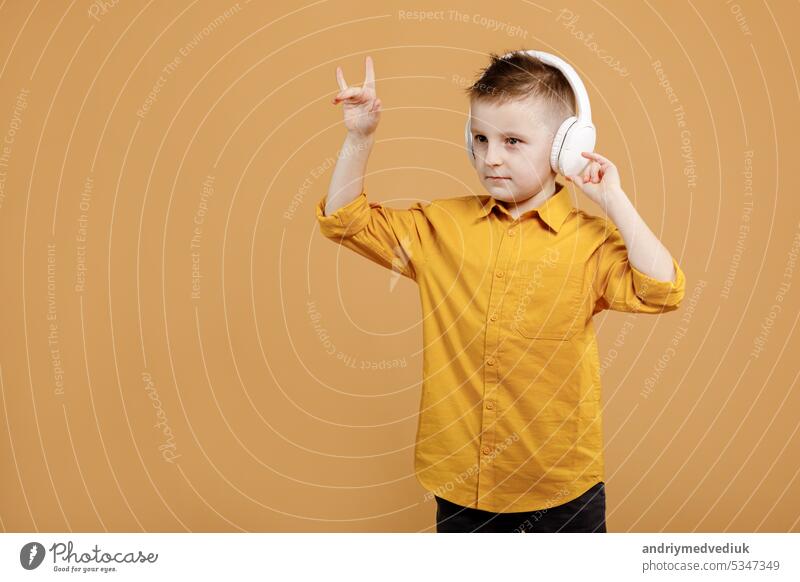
[
  {"x": 558, "y": 142},
  {"x": 468, "y": 142},
  {"x": 572, "y": 138},
  {"x": 580, "y": 137}
]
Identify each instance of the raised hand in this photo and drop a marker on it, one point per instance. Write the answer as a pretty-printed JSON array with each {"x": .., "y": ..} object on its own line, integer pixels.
[
  {"x": 599, "y": 180},
  {"x": 362, "y": 108}
]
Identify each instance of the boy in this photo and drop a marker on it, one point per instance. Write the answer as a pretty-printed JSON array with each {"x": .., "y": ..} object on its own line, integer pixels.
[{"x": 510, "y": 429}]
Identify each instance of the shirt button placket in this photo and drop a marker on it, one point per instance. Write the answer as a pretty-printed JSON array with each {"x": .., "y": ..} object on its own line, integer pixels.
[{"x": 492, "y": 364}]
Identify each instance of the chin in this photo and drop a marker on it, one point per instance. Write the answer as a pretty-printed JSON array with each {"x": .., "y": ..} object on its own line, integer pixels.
[
  {"x": 504, "y": 197},
  {"x": 498, "y": 190}
]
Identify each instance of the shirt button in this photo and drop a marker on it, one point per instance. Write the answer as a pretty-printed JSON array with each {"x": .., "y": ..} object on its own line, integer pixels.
[
  {"x": 490, "y": 405},
  {"x": 493, "y": 317},
  {"x": 486, "y": 450},
  {"x": 511, "y": 232},
  {"x": 499, "y": 274},
  {"x": 490, "y": 361}
]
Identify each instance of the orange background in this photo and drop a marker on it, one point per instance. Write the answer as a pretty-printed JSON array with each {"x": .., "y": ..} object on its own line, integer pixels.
[{"x": 288, "y": 374}]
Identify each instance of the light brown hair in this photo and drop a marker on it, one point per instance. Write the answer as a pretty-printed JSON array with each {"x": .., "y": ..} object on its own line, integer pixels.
[{"x": 522, "y": 76}]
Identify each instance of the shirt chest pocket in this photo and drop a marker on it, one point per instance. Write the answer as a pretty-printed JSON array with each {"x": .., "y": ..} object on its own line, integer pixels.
[{"x": 550, "y": 301}]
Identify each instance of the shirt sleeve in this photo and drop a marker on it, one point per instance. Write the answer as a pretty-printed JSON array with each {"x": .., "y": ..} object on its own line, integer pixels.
[
  {"x": 620, "y": 286},
  {"x": 391, "y": 237}
]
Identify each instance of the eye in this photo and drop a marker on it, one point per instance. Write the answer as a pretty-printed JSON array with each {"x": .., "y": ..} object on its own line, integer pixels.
[
  {"x": 480, "y": 137},
  {"x": 515, "y": 140}
]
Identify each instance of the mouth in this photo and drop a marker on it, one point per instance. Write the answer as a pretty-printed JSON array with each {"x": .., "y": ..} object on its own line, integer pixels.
[{"x": 498, "y": 177}]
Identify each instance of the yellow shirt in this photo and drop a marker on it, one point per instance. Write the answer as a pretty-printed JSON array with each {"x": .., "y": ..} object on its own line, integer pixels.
[{"x": 510, "y": 413}]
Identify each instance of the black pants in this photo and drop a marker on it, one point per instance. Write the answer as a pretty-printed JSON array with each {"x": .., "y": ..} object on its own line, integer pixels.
[{"x": 586, "y": 513}]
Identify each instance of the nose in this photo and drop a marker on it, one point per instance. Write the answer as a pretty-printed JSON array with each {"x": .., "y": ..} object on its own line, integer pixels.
[{"x": 493, "y": 157}]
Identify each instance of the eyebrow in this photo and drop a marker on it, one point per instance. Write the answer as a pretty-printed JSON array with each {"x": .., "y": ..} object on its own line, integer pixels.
[{"x": 517, "y": 134}]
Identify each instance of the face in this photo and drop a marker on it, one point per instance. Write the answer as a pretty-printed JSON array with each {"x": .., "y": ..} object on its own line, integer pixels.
[{"x": 512, "y": 140}]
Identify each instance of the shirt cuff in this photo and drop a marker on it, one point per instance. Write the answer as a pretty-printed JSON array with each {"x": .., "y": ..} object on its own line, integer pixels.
[
  {"x": 657, "y": 292},
  {"x": 347, "y": 220}
]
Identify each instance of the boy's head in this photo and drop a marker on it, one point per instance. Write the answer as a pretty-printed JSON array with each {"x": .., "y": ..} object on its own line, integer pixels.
[{"x": 517, "y": 105}]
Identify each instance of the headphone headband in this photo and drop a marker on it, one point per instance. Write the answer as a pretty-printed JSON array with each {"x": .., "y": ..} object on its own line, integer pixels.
[{"x": 581, "y": 96}]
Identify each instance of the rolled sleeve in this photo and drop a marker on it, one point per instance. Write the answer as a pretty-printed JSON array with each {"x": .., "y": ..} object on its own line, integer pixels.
[
  {"x": 391, "y": 237},
  {"x": 620, "y": 286},
  {"x": 657, "y": 292},
  {"x": 346, "y": 221}
]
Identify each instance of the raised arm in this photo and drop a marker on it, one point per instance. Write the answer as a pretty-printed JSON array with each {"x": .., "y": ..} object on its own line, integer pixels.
[
  {"x": 634, "y": 270},
  {"x": 362, "y": 110}
]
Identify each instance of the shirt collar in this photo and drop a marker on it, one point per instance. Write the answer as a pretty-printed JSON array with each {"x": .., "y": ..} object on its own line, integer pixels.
[{"x": 554, "y": 210}]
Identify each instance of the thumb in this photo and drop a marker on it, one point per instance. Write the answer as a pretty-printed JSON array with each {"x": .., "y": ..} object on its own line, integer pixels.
[{"x": 348, "y": 93}]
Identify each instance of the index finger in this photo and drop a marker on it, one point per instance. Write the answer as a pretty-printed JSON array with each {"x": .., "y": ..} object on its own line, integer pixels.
[
  {"x": 596, "y": 156},
  {"x": 340, "y": 79},
  {"x": 369, "y": 81}
]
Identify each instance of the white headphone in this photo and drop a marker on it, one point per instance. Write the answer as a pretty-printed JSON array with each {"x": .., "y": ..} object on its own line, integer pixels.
[{"x": 575, "y": 135}]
